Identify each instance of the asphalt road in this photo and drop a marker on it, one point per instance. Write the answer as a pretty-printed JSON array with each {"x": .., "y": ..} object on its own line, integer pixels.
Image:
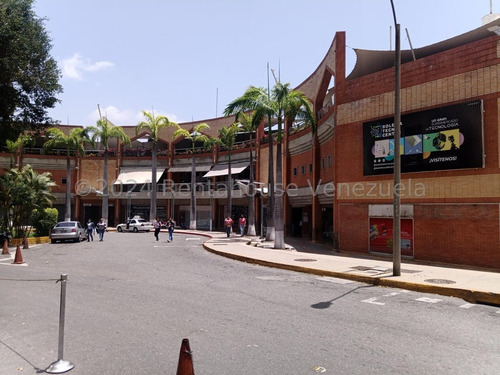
[{"x": 131, "y": 301}]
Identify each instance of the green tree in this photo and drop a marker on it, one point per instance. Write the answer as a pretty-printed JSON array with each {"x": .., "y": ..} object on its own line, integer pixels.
[
  {"x": 15, "y": 146},
  {"x": 103, "y": 132},
  {"x": 289, "y": 106},
  {"x": 28, "y": 74},
  {"x": 44, "y": 220},
  {"x": 153, "y": 124},
  {"x": 21, "y": 192},
  {"x": 249, "y": 123},
  {"x": 257, "y": 100},
  {"x": 73, "y": 142},
  {"x": 285, "y": 106},
  {"x": 195, "y": 136},
  {"x": 227, "y": 137}
]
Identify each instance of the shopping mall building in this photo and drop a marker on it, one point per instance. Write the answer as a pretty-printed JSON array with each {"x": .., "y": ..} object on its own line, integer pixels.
[{"x": 338, "y": 182}]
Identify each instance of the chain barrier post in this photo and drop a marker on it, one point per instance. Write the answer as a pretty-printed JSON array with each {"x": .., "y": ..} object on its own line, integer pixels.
[{"x": 61, "y": 365}]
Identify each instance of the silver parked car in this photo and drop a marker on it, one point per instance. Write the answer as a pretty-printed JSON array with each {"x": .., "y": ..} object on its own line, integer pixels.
[{"x": 67, "y": 231}]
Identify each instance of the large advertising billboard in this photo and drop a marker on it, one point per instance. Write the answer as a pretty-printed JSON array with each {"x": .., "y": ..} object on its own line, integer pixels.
[{"x": 448, "y": 137}]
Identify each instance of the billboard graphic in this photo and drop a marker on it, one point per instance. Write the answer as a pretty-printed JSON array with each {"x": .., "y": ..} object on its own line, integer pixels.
[{"x": 449, "y": 137}]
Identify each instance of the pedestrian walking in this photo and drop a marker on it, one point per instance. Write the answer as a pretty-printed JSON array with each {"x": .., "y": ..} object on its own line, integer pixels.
[
  {"x": 101, "y": 228},
  {"x": 157, "y": 226},
  {"x": 170, "y": 227},
  {"x": 242, "y": 223},
  {"x": 90, "y": 230},
  {"x": 228, "y": 224}
]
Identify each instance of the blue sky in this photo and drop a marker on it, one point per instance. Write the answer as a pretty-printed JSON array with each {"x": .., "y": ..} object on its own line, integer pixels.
[{"x": 187, "y": 59}]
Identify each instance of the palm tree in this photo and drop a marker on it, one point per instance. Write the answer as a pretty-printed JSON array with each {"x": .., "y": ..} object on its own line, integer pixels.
[
  {"x": 257, "y": 100},
  {"x": 285, "y": 106},
  {"x": 73, "y": 141},
  {"x": 289, "y": 105},
  {"x": 195, "y": 136},
  {"x": 226, "y": 139},
  {"x": 153, "y": 124},
  {"x": 250, "y": 124},
  {"x": 14, "y": 146},
  {"x": 104, "y": 131}
]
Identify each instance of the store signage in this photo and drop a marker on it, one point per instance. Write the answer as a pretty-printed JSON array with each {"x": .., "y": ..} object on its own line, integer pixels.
[{"x": 448, "y": 137}]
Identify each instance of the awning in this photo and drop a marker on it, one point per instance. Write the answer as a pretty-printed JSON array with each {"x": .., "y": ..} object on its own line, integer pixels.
[
  {"x": 223, "y": 169},
  {"x": 137, "y": 176},
  {"x": 187, "y": 168}
]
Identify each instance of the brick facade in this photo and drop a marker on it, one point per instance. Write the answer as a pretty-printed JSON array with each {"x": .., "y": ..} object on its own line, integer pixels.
[{"x": 455, "y": 213}]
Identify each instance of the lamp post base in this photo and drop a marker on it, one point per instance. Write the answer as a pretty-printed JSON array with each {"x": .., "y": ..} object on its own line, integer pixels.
[{"x": 60, "y": 366}]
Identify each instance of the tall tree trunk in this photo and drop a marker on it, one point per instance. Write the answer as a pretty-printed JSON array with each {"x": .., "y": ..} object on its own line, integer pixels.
[
  {"x": 270, "y": 194},
  {"x": 229, "y": 188},
  {"x": 279, "y": 234},
  {"x": 105, "y": 189},
  {"x": 192, "y": 214},
  {"x": 152, "y": 206},
  {"x": 67, "y": 213},
  {"x": 251, "y": 196}
]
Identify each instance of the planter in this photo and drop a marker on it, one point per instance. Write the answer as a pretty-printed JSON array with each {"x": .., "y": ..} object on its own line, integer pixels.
[{"x": 31, "y": 241}]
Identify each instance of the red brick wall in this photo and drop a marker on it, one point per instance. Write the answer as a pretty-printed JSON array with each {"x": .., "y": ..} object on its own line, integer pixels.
[
  {"x": 353, "y": 234},
  {"x": 349, "y": 153},
  {"x": 326, "y": 174},
  {"x": 448, "y": 63},
  {"x": 458, "y": 234},
  {"x": 297, "y": 161}
]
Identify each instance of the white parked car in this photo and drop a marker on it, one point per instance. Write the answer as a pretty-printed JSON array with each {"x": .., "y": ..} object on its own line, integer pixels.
[
  {"x": 67, "y": 230},
  {"x": 135, "y": 225}
]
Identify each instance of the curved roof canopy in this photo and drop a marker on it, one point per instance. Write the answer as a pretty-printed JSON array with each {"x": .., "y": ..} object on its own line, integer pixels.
[{"x": 371, "y": 61}]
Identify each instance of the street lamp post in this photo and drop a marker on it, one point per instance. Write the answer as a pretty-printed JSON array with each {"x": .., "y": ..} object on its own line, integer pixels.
[{"x": 396, "y": 227}]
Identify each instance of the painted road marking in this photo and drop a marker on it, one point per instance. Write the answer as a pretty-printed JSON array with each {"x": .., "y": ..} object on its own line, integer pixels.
[
  {"x": 428, "y": 300},
  {"x": 467, "y": 305},
  {"x": 373, "y": 301},
  {"x": 396, "y": 293},
  {"x": 334, "y": 280}
]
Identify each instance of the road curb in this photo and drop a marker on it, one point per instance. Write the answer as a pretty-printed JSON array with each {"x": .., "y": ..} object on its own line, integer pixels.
[{"x": 470, "y": 296}]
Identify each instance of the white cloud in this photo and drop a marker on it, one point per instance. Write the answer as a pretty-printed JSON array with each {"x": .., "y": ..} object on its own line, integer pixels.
[{"x": 74, "y": 66}]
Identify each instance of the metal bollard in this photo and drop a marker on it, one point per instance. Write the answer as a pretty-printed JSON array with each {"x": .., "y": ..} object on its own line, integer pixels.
[{"x": 61, "y": 365}]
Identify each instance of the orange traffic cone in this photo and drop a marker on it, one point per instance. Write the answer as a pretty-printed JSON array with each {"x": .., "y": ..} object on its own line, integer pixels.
[
  {"x": 185, "y": 366},
  {"x": 5, "y": 249},
  {"x": 18, "y": 259}
]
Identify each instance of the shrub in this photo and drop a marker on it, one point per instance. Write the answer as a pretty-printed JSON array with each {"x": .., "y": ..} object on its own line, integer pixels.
[{"x": 44, "y": 220}]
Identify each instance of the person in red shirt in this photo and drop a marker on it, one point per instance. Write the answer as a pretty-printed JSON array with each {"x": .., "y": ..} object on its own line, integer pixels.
[
  {"x": 242, "y": 223},
  {"x": 228, "y": 224}
]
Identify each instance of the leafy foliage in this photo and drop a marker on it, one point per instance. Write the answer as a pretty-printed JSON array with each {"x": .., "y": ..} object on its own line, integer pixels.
[
  {"x": 44, "y": 220},
  {"x": 73, "y": 141},
  {"x": 195, "y": 136},
  {"x": 22, "y": 191},
  {"x": 29, "y": 76},
  {"x": 103, "y": 132},
  {"x": 153, "y": 124}
]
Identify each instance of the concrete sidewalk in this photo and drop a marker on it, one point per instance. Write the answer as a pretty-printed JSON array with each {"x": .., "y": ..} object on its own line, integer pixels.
[{"x": 474, "y": 286}]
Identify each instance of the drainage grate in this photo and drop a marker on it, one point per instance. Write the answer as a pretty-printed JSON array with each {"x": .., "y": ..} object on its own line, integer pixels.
[
  {"x": 305, "y": 260},
  {"x": 361, "y": 268},
  {"x": 440, "y": 281}
]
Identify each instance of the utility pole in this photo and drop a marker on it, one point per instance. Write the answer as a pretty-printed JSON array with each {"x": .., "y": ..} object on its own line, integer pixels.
[{"x": 396, "y": 226}]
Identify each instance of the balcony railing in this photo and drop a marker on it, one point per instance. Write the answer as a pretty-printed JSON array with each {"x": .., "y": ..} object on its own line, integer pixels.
[{"x": 189, "y": 151}]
